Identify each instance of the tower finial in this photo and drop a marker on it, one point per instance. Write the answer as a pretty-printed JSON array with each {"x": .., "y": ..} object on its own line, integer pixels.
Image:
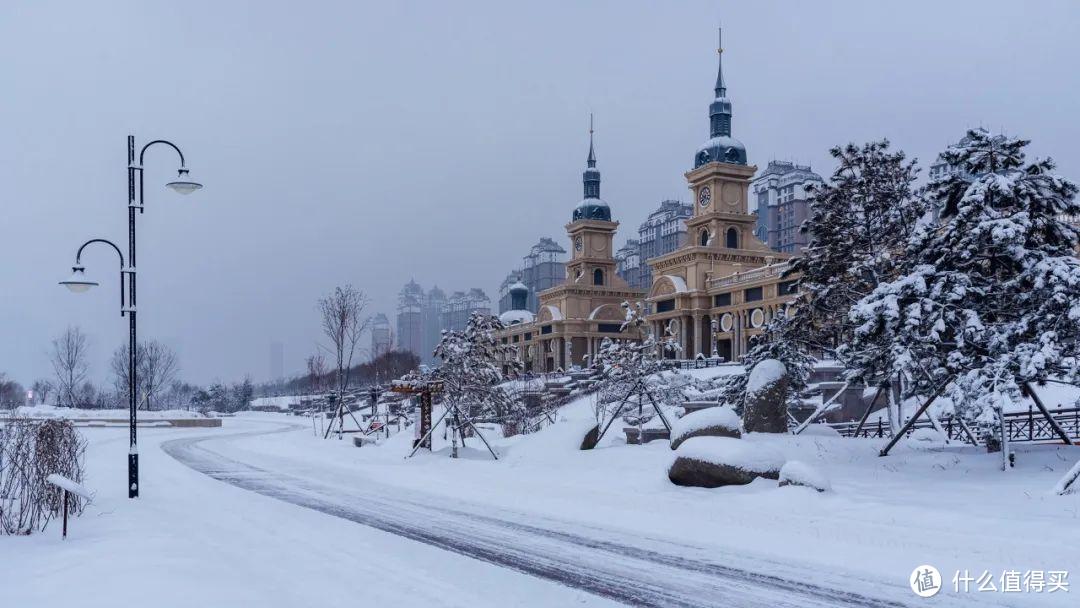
[
  {"x": 721, "y": 90},
  {"x": 591, "y": 160}
]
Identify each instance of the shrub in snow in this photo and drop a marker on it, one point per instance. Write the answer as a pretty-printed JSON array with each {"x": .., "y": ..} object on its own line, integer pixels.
[
  {"x": 821, "y": 430},
  {"x": 719, "y": 421},
  {"x": 765, "y": 406},
  {"x": 712, "y": 462},
  {"x": 796, "y": 473},
  {"x": 30, "y": 451}
]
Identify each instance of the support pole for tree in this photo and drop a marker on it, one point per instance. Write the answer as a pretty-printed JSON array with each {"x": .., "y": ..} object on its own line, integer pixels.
[
  {"x": 656, "y": 407},
  {"x": 967, "y": 430},
  {"x": 1045, "y": 412},
  {"x": 820, "y": 410},
  {"x": 618, "y": 411},
  {"x": 911, "y": 422},
  {"x": 427, "y": 436},
  {"x": 869, "y": 408}
]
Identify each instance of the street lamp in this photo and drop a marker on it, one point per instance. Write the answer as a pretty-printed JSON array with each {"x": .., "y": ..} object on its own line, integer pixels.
[{"x": 79, "y": 283}]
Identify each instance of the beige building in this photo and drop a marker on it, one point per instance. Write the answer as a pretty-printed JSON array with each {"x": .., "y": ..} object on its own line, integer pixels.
[
  {"x": 713, "y": 294},
  {"x": 724, "y": 285},
  {"x": 575, "y": 317}
]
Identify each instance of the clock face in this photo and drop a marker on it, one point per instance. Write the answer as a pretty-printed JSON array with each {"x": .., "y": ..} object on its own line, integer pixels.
[
  {"x": 578, "y": 243},
  {"x": 705, "y": 196}
]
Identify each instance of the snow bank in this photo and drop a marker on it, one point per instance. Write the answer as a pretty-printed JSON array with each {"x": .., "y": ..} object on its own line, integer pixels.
[
  {"x": 797, "y": 473},
  {"x": 766, "y": 373},
  {"x": 51, "y": 411},
  {"x": 736, "y": 453},
  {"x": 720, "y": 417},
  {"x": 820, "y": 430},
  {"x": 927, "y": 435}
]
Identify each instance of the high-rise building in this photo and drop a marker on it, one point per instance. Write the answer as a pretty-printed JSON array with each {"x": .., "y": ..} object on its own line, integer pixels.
[
  {"x": 380, "y": 336},
  {"x": 410, "y": 318},
  {"x": 460, "y": 306},
  {"x": 628, "y": 264},
  {"x": 783, "y": 204},
  {"x": 543, "y": 268},
  {"x": 661, "y": 233},
  {"x": 434, "y": 301}
]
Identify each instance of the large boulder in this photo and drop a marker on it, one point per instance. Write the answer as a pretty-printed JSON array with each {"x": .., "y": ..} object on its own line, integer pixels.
[
  {"x": 712, "y": 462},
  {"x": 717, "y": 421},
  {"x": 765, "y": 404},
  {"x": 796, "y": 473}
]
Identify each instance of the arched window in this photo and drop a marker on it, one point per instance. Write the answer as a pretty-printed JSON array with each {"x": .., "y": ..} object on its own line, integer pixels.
[
  {"x": 598, "y": 277},
  {"x": 732, "y": 238},
  {"x": 703, "y": 240}
]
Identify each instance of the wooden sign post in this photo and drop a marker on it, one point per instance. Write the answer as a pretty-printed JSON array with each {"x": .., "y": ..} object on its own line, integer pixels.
[{"x": 424, "y": 389}]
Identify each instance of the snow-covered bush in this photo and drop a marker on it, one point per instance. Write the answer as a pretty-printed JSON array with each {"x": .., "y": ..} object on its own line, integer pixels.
[
  {"x": 628, "y": 363},
  {"x": 797, "y": 473},
  {"x": 471, "y": 369},
  {"x": 30, "y": 451}
]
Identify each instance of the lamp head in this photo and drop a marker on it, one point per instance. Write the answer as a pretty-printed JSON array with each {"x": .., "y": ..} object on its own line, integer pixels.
[
  {"x": 77, "y": 282},
  {"x": 183, "y": 183}
]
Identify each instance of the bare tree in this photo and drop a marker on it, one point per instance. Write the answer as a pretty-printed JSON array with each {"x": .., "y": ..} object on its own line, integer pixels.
[
  {"x": 316, "y": 366},
  {"x": 343, "y": 323},
  {"x": 42, "y": 389},
  {"x": 69, "y": 361},
  {"x": 156, "y": 365}
]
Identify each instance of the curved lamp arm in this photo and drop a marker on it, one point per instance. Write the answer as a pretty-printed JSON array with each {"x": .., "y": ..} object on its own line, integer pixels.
[
  {"x": 161, "y": 141},
  {"x": 78, "y": 254},
  {"x": 123, "y": 269}
]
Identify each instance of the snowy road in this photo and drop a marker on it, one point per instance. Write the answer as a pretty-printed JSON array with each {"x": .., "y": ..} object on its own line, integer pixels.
[{"x": 634, "y": 570}]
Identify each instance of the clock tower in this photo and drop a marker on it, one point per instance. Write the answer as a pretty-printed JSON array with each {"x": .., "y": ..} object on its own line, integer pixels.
[
  {"x": 720, "y": 183},
  {"x": 591, "y": 232}
]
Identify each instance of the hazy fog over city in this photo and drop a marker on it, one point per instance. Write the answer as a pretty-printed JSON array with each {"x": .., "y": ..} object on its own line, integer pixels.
[{"x": 364, "y": 143}]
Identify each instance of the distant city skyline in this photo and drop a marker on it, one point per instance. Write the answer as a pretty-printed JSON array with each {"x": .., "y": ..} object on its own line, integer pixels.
[{"x": 374, "y": 143}]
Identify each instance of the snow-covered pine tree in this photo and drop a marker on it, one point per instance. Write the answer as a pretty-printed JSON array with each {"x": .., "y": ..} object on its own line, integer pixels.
[
  {"x": 472, "y": 365},
  {"x": 989, "y": 297},
  {"x": 858, "y": 220},
  {"x": 636, "y": 359}
]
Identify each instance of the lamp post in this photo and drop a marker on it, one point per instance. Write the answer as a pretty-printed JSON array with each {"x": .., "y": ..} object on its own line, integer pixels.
[
  {"x": 714, "y": 325},
  {"x": 78, "y": 282}
]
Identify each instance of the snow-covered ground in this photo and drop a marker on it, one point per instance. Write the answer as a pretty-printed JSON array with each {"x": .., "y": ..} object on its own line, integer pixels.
[
  {"x": 925, "y": 504},
  {"x": 51, "y": 411},
  {"x": 192, "y": 541}
]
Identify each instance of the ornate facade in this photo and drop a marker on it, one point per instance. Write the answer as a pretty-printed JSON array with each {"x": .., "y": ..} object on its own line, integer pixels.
[
  {"x": 574, "y": 317},
  {"x": 724, "y": 284}
]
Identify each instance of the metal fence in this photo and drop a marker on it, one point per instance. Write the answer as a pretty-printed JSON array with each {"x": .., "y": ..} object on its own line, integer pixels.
[{"x": 1020, "y": 426}]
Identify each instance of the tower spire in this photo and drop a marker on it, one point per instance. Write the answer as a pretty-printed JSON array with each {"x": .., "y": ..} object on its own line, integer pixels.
[
  {"x": 591, "y": 177},
  {"x": 721, "y": 90},
  {"x": 720, "y": 109},
  {"x": 591, "y": 160}
]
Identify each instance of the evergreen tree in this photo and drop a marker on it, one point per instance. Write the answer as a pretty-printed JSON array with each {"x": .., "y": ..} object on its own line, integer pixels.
[
  {"x": 858, "y": 222},
  {"x": 989, "y": 297},
  {"x": 472, "y": 366}
]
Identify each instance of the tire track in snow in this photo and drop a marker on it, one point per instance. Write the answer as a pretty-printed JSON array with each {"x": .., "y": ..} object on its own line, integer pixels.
[{"x": 601, "y": 562}]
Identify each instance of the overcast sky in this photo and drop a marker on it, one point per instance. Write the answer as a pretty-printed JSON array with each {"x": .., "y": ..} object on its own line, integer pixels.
[{"x": 373, "y": 142}]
